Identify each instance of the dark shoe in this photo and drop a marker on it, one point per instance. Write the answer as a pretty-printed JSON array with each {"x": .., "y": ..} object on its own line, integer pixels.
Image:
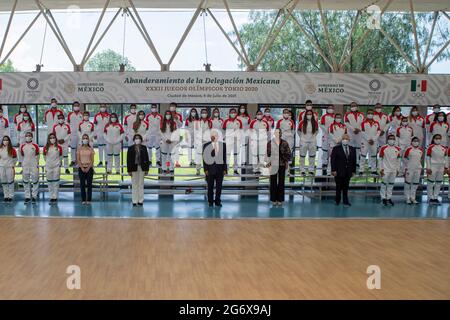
[
  {"x": 218, "y": 204},
  {"x": 140, "y": 204},
  {"x": 27, "y": 200},
  {"x": 436, "y": 201},
  {"x": 72, "y": 164},
  {"x": 236, "y": 172},
  {"x": 390, "y": 202},
  {"x": 134, "y": 205},
  {"x": 150, "y": 163},
  {"x": 303, "y": 173},
  {"x": 67, "y": 171},
  {"x": 33, "y": 200},
  {"x": 211, "y": 205},
  {"x": 384, "y": 202},
  {"x": 100, "y": 164},
  {"x": 109, "y": 172},
  {"x": 374, "y": 173},
  {"x": 348, "y": 204},
  {"x": 311, "y": 173},
  {"x": 158, "y": 163}
]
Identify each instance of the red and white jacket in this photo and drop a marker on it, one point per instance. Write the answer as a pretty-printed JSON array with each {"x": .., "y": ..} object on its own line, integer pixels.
[
  {"x": 142, "y": 130},
  {"x": 101, "y": 119},
  {"x": 429, "y": 119},
  {"x": 192, "y": 125},
  {"x": 128, "y": 123},
  {"x": 257, "y": 125},
  {"x": 437, "y": 156},
  {"x": 404, "y": 135},
  {"x": 370, "y": 130},
  {"x": 325, "y": 123},
  {"x": 309, "y": 136},
  {"x": 178, "y": 118},
  {"x": 417, "y": 124},
  {"x": 62, "y": 132},
  {"x": 287, "y": 127},
  {"x": 389, "y": 158},
  {"x": 4, "y": 127},
  {"x": 113, "y": 133},
  {"x": 154, "y": 121},
  {"x": 336, "y": 131},
  {"x": 74, "y": 119},
  {"x": 353, "y": 120},
  {"x": 53, "y": 156},
  {"x": 6, "y": 160},
  {"x": 51, "y": 117},
  {"x": 30, "y": 154},
  {"x": 439, "y": 128},
  {"x": 24, "y": 127},
  {"x": 413, "y": 158},
  {"x": 232, "y": 124},
  {"x": 270, "y": 120},
  {"x": 86, "y": 127},
  {"x": 245, "y": 121},
  {"x": 394, "y": 123},
  {"x": 301, "y": 116},
  {"x": 217, "y": 123},
  {"x": 18, "y": 118},
  {"x": 382, "y": 119}
]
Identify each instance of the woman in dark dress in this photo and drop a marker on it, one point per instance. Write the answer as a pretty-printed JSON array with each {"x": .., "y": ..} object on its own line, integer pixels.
[{"x": 278, "y": 158}]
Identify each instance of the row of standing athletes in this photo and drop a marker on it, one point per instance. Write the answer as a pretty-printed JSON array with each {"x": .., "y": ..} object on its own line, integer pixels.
[{"x": 368, "y": 133}]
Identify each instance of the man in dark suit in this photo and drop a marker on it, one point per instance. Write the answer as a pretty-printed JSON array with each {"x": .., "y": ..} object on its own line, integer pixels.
[
  {"x": 215, "y": 166},
  {"x": 343, "y": 167}
]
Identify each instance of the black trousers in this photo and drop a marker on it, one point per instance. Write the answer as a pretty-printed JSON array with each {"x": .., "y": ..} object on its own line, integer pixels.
[
  {"x": 217, "y": 180},
  {"x": 86, "y": 183},
  {"x": 277, "y": 185},
  {"x": 342, "y": 184}
]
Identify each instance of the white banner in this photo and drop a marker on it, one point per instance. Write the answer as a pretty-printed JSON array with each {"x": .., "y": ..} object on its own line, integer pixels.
[{"x": 224, "y": 87}]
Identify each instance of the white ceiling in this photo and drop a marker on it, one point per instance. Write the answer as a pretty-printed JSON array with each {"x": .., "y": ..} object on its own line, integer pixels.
[{"x": 396, "y": 5}]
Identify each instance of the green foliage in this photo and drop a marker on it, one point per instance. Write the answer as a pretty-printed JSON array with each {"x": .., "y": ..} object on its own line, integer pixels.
[
  {"x": 7, "y": 67},
  {"x": 292, "y": 51},
  {"x": 108, "y": 60}
]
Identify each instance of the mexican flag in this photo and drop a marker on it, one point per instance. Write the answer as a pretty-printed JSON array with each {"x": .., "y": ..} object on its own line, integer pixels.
[{"x": 419, "y": 85}]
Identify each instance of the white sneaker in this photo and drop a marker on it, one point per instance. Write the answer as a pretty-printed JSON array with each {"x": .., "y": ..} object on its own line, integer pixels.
[
  {"x": 414, "y": 201},
  {"x": 408, "y": 201}
]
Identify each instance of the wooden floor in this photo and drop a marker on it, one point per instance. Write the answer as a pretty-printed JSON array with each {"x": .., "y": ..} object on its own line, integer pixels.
[{"x": 224, "y": 259}]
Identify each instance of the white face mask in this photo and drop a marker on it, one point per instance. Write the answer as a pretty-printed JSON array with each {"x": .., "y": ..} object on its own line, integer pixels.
[
  {"x": 267, "y": 114},
  {"x": 345, "y": 142},
  {"x": 154, "y": 110},
  {"x": 168, "y": 116},
  {"x": 232, "y": 115},
  {"x": 440, "y": 119},
  {"x": 5, "y": 142},
  {"x": 53, "y": 105},
  {"x": 391, "y": 142},
  {"x": 414, "y": 113},
  {"x": 133, "y": 111},
  {"x": 308, "y": 107},
  {"x": 286, "y": 115},
  {"x": 113, "y": 120},
  {"x": 338, "y": 120},
  {"x": 437, "y": 141},
  {"x": 103, "y": 109},
  {"x": 60, "y": 121},
  {"x": 415, "y": 143},
  {"x": 138, "y": 141},
  {"x": 309, "y": 117},
  {"x": 26, "y": 118},
  {"x": 370, "y": 116},
  {"x": 23, "y": 110},
  {"x": 76, "y": 109},
  {"x": 379, "y": 110},
  {"x": 404, "y": 124},
  {"x": 259, "y": 116},
  {"x": 1, "y": 114},
  {"x": 242, "y": 110},
  {"x": 204, "y": 115},
  {"x": 397, "y": 113},
  {"x": 216, "y": 114},
  {"x": 436, "y": 110},
  {"x": 141, "y": 116},
  {"x": 330, "y": 111},
  {"x": 193, "y": 114},
  {"x": 354, "y": 109},
  {"x": 173, "y": 109},
  {"x": 28, "y": 139},
  {"x": 86, "y": 118},
  {"x": 52, "y": 141},
  {"x": 85, "y": 141}
]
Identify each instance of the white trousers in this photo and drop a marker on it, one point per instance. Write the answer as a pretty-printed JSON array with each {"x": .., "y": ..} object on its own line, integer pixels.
[
  {"x": 370, "y": 151},
  {"x": 233, "y": 146},
  {"x": 412, "y": 179},
  {"x": 168, "y": 151},
  {"x": 73, "y": 147},
  {"x": 243, "y": 152},
  {"x": 53, "y": 177},
  {"x": 65, "y": 150},
  {"x": 387, "y": 185},
  {"x": 325, "y": 150},
  {"x": 30, "y": 178},
  {"x": 154, "y": 142},
  {"x": 113, "y": 152},
  {"x": 309, "y": 148},
  {"x": 137, "y": 187},
  {"x": 101, "y": 143},
  {"x": 7, "y": 180},
  {"x": 435, "y": 180},
  {"x": 355, "y": 141},
  {"x": 258, "y": 151}
]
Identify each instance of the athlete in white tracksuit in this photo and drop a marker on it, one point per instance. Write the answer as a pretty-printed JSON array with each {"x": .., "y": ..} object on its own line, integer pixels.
[
  {"x": 383, "y": 120},
  {"x": 389, "y": 159},
  {"x": 8, "y": 159},
  {"x": 417, "y": 123},
  {"x": 307, "y": 131},
  {"x": 30, "y": 175},
  {"x": 128, "y": 123},
  {"x": 140, "y": 126},
  {"x": 437, "y": 165},
  {"x": 191, "y": 125},
  {"x": 63, "y": 134},
  {"x": 53, "y": 153},
  {"x": 101, "y": 119},
  {"x": 404, "y": 136},
  {"x": 178, "y": 118},
  {"x": 370, "y": 130},
  {"x": 245, "y": 119},
  {"x": 233, "y": 132},
  {"x": 217, "y": 121},
  {"x": 170, "y": 137},
  {"x": 86, "y": 127},
  {"x": 113, "y": 135},
  {"x": 440, "y": 127},
  {"x": 23, "y": 127},
  {"x": 325, "y": 122},
  {"x": 259, "y": 134},
  {"x": 51, "y": 115},
  {"x": 4, "y": 125},
  {"x": 353, "y": 120},
  {"x": 74, "y": 118},
  {"x": 287, "y": 127},
  {"x": 336, "y": 130},
  {"x": 413, "y": 167},
  {"x": 154, "y": 120}
]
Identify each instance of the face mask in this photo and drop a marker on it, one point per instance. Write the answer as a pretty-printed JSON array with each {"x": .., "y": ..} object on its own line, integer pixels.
[
  {"x": 391, "y": 142},
  {"x": 141, "y": 116},
  {"x": 259, "y": 116},
  {"x": 370, "y": 116},
  {"x": 345, "y": 142},
  {"x": 414, "y": 113},
  {"x": 338, "y": 120},
  {"x": 103, "y": 109},
  {"x": 397, "y": 113},
  {"x": 52, "y": 141},
  {"x": 216, "y": 114},
  {"x": 60, "y": 121},
  {"x": 86, "y": 118},
  {"x": 204, "y": 115},
  {"x": 330, "y": 110},
  {"x": 286, "y": 115},
  {"x": 309, "y": 117},
  {"x": 242, "y": 110},
  {"x": 354, "y": 109},
  {"x": 85, "y": 141},
  {"x": 232, "y": 115},
  {"x": 173, "y": 109},
  {"x": 133, "y": 111},
  {"x": 137, "y": 141},
  {"x": 440, "y": 119},
  {"x": 415, "y": 143},
  {"x": 379, "y": 110},
  {"x": 1, "y": 114},
  {"x": 28, "y": 139},
  {"x": 23, "y": 110},
  {"x": 437, "y": 141},
  {"x": 308, "y": 107},
  {"x": 193, "y": 114},
  {"x": 267, "y": 114},
  {"x": 26, "y": 118},
  {"x": 404, "y": 124},
  {"x": 113, "y": 119},
  {"x": 436, "y": 110},
  {"x": 154, "y": 110},
  {"x": 53, "y": 105},
  {"x": 168, "y": 116},
  {"x": 76, "y": 109},
  {"x": 5, "y": 143}
]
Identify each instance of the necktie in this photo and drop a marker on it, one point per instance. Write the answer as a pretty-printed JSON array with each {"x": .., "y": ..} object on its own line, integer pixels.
[{"x": 346, "y": 151}]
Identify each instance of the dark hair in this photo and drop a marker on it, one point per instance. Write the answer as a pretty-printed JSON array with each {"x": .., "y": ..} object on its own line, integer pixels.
[
  {"x": 305, "y": 122},
  {"x": 133, "y": 105},
  {"x": 435, "y": 136},
  {"x": 395, "y": 108},
  {"x": 53, "y": 99},
  {"x": 245, "y": 107},
  {"x": 9, "y": 147},
  {"x": 391, "y": 135},
  {"x": 172, "y": 123},
  {"x": 29, "y": 116},
  {"x": 137, "y": 122},
  {"x": 204, "y": 110},
  {"x": 214, "y": 110},
  {"x": 308, "y": 101},
  {"x": 86, "y": 113},
  {"x": 1, "y": 107},
  {"x": 438, "y": 114},
  {"x": 48, "y": 144},
  {"x": 112, "y": 115},
  {"x": 231, "y": 110},
  {"x": 196, "y": 117},
  {"x": 137, "y": 135},
  {"x": 75, "y": 102}
]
